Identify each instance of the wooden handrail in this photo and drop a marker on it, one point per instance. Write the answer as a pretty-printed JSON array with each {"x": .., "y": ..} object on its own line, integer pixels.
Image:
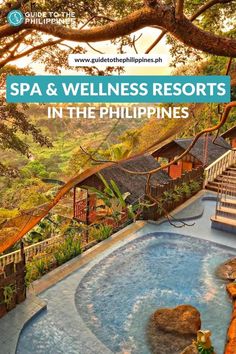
[
  {"x": 30, "y": 251},
  {"x": 220, "y": 165}
]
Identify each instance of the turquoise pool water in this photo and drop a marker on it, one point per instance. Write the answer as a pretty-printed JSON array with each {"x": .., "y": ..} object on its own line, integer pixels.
[{"x": 113, "y": 300}]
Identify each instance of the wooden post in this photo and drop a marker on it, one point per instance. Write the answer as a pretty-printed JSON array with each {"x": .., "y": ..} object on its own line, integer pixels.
[
  {"x": 74, "y": 202},
  {"x": 22, "y": 252},
  {"x": 87, "y": 216}
]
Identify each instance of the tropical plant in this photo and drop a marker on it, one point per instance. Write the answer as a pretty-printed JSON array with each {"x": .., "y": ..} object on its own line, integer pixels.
[
  {"x": 100, "y": 232},
  {"x": 177, "y": 194},
  {"x": 42, "y": 266},
  {"x": 111, "y": 196},
  {"x": 8, "y": 293},
  {"x": 186, "y": 190},
  {"x": 32, "y": 273},
  {"x": 194, "y": 186},
  {"x": 117, "y": 152},
  {"x": 67, "y": 250},
  {"x": 203, "y": 342},
  {"x": 42, "y": 231}
]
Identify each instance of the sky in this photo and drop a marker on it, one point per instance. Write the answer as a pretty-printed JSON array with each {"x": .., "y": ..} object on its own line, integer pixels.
[{"x": 148, "y": 36}]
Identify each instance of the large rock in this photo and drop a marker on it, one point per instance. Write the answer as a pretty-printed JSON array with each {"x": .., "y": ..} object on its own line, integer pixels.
[
  {"x": 191, "y": 349},
  {"x": 227, "y": 270},
  {"x": 172, "y": 330}
]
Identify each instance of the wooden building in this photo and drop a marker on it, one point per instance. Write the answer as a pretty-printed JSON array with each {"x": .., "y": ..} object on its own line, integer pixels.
[
  {"x": 89, "y": 209},
  {"x": 230, "y": 135},
  {"x": 203, "y": 153}
]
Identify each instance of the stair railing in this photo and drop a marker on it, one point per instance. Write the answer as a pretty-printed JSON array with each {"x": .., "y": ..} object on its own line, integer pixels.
[
  {"x": 220, "y": 191},
  {"x": 225, "y": 190},
  {"x": 218, "y": 166}
]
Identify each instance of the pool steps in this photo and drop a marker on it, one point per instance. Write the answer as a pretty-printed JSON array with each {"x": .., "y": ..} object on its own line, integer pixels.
[{"x": 225, "y": 214}]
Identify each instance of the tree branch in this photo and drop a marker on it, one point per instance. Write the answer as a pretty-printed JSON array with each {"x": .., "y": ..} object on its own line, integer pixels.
[
  {"x": 163, "y": 16},
  {"x": 4, "y": 13},
  {"x": 95, "y": 50},
  {"x": 199, "y": 12},
  {"x": 207, "y": 6},
  {"x": 14, "y": 41},
  {"x": 179, "y": 9},
  {"x": 12, "y": 57},
  {"x": 159, "y": 38},
  {"x": 222, "y": 121}
]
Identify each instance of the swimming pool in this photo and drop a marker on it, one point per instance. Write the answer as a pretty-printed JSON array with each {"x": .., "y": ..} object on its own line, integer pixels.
[{"x": 105, "y": 306}]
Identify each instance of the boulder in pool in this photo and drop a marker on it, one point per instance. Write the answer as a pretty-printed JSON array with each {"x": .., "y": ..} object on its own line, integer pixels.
[
  {"x": 172, "y": 330},
  {"x": 191, "y": 349},
  {"x": 227, "y": 270}
]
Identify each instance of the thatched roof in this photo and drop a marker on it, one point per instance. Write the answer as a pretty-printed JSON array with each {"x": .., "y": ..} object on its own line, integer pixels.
[
  {"x": 230, "y": 133},
  {"x": 215, "y": 150},
  {"x": 134, "y": 184}
]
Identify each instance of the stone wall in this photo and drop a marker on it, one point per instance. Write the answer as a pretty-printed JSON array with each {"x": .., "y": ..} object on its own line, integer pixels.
[{"x": 12, "y": 286}]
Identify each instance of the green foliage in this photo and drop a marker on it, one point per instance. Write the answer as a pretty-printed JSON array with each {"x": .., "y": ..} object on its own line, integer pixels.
[
  {"x": 22, "y": 193},
  {"x": 7, "y": 214},
  {"x": 69, "y": 249},
  {"x": 219, "y": 19},
  {"x": 62, "y": 161},
  {"x": 100, "y": 232},
  {"x": 15, "y": 126},
  {"x": 116, "y": 152},
  {"x": 41, "y": 266},
  {"x": 111, "y": 196},
  {"x": 57, "y": 255},
  {"x": 134, "y": 209},
  {"x": 194, "y": 185},
  {"x": 35, "y": 169},
  {"x": 185, "y": 190},
  {"x": 207, "y": 114},
  {"x": 8, "y": 293},
  {"x": 202, "y": 350},
  {"x": 37, "y": 267},
  {"x": 42, "y": 231}
]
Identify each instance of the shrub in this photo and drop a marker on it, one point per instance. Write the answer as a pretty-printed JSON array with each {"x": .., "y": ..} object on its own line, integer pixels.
[
  {"x": 67, "y": 250},
  {"x": 7, "y": 214},
  {"x": 194, "y": 186},
  {"x": 101, "y": 232},
  {"x": 39, "y": 266},
  {"x": 186, "y": 190},
  {"x": 8, "y": 293}
]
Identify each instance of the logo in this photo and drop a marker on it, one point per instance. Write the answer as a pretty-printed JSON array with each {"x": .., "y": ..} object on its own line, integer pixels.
[{"x": 15, "y": 18}]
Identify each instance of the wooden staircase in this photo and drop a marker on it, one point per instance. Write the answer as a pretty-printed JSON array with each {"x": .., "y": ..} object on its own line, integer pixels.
[
  {"x": 225, "y": 212},
  {"x": 226, "y": 181},
  {"x": 220, "y": 177}
]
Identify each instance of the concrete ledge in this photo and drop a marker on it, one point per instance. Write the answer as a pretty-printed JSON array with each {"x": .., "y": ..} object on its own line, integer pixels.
[
  {"x": 13, "y": 323},
  {"x": 66, "y": 269}
]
